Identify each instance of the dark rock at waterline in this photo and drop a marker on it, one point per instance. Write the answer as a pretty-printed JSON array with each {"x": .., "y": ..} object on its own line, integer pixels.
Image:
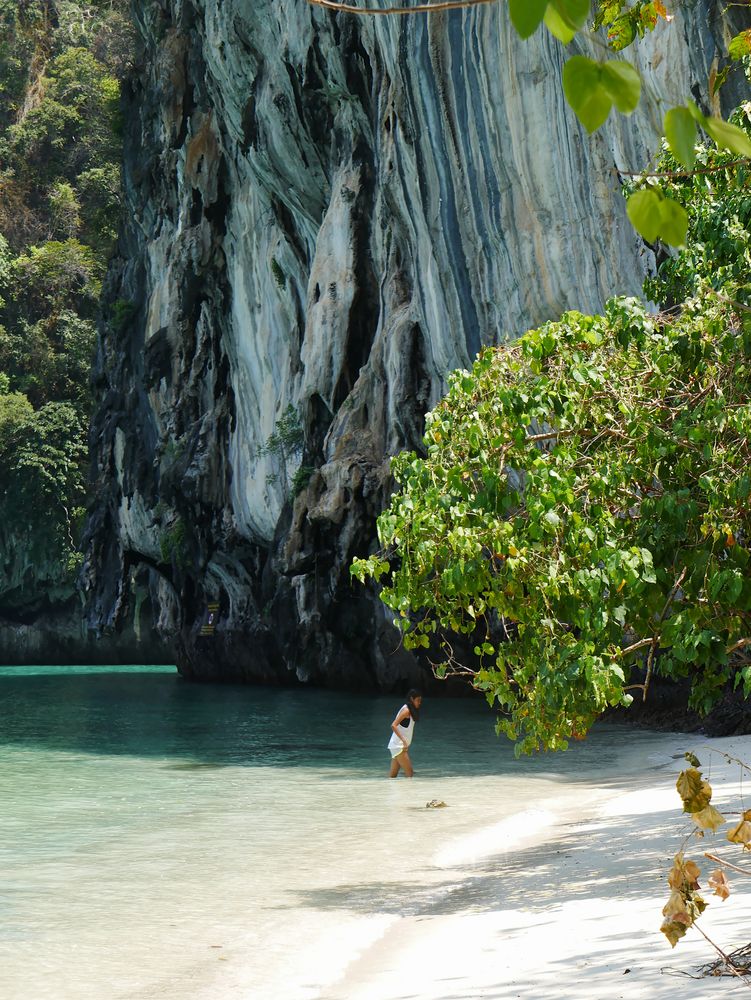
[
  {"x": 57, "y": 634},
  {"x": 667, "y": 708}
]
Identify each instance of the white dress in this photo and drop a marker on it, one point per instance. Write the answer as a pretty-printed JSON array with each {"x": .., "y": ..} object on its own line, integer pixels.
[{"x": 395, "y": 744}]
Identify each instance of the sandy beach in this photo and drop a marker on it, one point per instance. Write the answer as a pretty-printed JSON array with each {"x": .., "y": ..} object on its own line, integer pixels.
[{"x": 574, "y": 913}]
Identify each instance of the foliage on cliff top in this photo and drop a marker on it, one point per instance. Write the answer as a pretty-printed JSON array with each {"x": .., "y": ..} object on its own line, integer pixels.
[
  {"x": 583, "y": 508},
  {"x": 60, "y": 149}
]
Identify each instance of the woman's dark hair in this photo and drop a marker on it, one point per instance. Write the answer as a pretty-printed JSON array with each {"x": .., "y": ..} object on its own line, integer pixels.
[{"x": 413, "y": 710}]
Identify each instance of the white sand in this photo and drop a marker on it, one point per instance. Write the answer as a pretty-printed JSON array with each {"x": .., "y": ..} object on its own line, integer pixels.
[{"x": 575, "y": 917}]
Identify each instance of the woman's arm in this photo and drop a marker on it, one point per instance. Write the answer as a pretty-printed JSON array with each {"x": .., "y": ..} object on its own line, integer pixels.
[{"x": 401, "y": 714}]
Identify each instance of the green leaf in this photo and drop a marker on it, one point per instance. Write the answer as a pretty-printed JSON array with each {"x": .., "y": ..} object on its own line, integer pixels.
[
  {"x": 565, "y": 17},
  {"x": 582, "y": 85},
  {"x": 680, "y": 131},
  {"x": 673, "y": 222},
  {"x": 728, "y": 136},
  {"x": 695, "y": 113},
  {"x": 622, "y": 84},
  {"x": 643, "y": 209},
  {"x": 652, "y": 215},
  {"x": 591, "y": 88},
  {"x": 527, "y": 15},
  {"x": 557, "y": 26},
  {"x": 718, "y": 79}
]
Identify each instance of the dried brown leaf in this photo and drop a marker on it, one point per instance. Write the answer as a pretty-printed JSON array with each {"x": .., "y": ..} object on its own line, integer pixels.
[
  {"x": 675, "y": 908},
  {"x": 741, "y": 833},
  {"x": 684, "y": 874},
  {"x": 708, "y": 818},
  {"x": 684, "y": 905},
  {"x": 673, "y": 931},
  {"x": 695, "y": 792},
  {"x": 719, "y": 882}
]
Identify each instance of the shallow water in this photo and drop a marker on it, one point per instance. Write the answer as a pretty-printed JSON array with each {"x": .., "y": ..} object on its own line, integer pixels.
[{"x": 162, "y": 839}]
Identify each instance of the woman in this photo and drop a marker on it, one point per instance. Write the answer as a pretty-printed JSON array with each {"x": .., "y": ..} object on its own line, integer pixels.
[{"x": 403, "y": 728}]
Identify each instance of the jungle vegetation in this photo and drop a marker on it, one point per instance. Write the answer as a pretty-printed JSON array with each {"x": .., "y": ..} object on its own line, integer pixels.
[{"x": 61, "y": 63}]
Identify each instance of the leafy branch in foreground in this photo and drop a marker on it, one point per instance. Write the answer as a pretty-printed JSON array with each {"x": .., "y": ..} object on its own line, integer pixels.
[{"x": 585, "y": 495}]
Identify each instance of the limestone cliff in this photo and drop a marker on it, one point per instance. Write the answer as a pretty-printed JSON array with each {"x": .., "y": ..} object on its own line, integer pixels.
[{"x": 326, "y": 213}]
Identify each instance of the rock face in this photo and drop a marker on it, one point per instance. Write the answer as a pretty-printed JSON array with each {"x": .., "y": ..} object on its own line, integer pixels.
[{"x": 325, "y": 215}]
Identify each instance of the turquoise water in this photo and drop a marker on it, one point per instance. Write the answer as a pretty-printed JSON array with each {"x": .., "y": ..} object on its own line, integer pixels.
[{"x": 162, "y": 839}]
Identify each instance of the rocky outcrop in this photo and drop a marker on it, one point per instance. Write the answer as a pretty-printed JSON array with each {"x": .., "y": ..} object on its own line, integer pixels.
[
  {"x": 325, "y": 215},
  {"x": 55, "y": 632}
]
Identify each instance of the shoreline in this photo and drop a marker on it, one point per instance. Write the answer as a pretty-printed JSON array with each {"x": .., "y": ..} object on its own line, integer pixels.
[{"x": 574, "y": 914}]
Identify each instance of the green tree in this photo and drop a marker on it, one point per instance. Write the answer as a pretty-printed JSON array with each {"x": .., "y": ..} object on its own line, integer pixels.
[
  {"x": 283, "y": 445},
  {"x": 41, "y": 477},
  {"x": 74, "y": 126},
  {"x": 51, "y": 359}
]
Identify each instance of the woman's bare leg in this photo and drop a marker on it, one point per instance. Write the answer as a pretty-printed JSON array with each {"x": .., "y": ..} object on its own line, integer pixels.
[{"x": 401, "y": 761}]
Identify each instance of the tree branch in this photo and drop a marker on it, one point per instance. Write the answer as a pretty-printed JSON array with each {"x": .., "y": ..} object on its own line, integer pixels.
[
  {"x": 682, "y": 173},
  {"x": 725, "y": 958},
  {"x": 653, "y": 647},
  {"x": 638, "y": 645},
  {"x": 422, "y": 8},
  {"x": 605, "y": 432},
  {"x": 730, "y": 302},
  {"x": 727, "y": 864}
]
